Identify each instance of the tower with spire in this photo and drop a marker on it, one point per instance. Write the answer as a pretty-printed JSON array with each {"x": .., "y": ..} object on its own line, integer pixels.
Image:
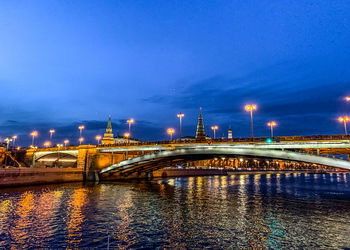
[
  {"x": 200, "y": 134},
  {"x": 229, "y": 136},
  {"x": 108, "y": 137}
]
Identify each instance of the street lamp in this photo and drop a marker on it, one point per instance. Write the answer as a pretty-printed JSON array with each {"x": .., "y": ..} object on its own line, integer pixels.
[
  {"x": 81, "y": 139},
  {"x": 344, "y": 119},
  {"x": 33, "y": 134},
  {"x": 214, "y": 128},
  {"x": 98, "y": 138},
  {"x": 8, "y": 140},
  {"x": 14, "y": 140},
  {"x": 81, "y": 127},
  {"x": 250, "y": 108},
  {"x": 7, "y": 148},
  {"x": 47, "y": 144},
  {"x": 271, "y": 125},
  {"x": 347, "y": 98},
  {"x": 180, "y": 115},
  {"x": 51, "y": 132},
  {"x": 171, "y": 131},
  {"x": 130, "y": 121},
  {"x": 127, "y": 136},
  {"x": 65, "y": 142}
]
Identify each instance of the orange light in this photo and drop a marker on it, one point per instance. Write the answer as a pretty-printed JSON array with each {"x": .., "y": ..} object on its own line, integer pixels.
[
  {"x": 66, "y": 142},
  {"x": 52, "y": 131},
  {"x": 347, "y": 98},
  {"x": 250, "y": 107},
  {"x": 130, "y": 121},
  {"x": 14, "y": 137},
  {"x": 171, "y": 131},
  {"x": 126, "y": 135},
  {"x": 47, "y": 144},
  {"x": 81, "y": 139},
  {"x": 272, "y": 124},
  {"x": 344, "y": 118},
  {"x": 180, "y": 115},
  {"x": 18, "y": 148},
  {"x": 81, "y": 127},
  {"x": 34, "y": 133},
  {"x": 214, "y": 127},
  {"x": 98, "y": 137}
]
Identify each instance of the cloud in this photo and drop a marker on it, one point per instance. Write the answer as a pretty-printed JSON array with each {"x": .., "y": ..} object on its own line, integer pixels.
[
  {"x": 143, "y": 130},
  {"x": 301, "y": 102}
]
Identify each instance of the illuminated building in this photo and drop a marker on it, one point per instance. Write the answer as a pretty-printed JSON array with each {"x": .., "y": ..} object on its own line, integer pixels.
[
  {"x": 108, "y": 137},
  {"x": 229, "y": 135},
  {"x": 200, "y": 134}
]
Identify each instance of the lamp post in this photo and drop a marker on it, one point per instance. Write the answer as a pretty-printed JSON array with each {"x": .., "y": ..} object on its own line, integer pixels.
[
  {"x": 250, "y": 108},
  {"x": 344, "y": 119},
  {"x": 14, "y": 140},
  {"x": 51, "y": 132},
  {"x": 7, "y": 149},
  {"x": 81, "y": 139},
  {"x": 98, "y": 138},
  {"x": 171, "y": 131},
  {"x": 81, "y": 127},
  {"x": 47, "y": 144},
  {"x": 214, "y": 128},
  {"x": 180, "y": 115},
  {"x": 130, "y": 121},
  {"x": 66, "y": 142},
  {"x": 271, "y": 125},
  {"x": 127, "y": 136},
  {"x": 33, "y": 134}
]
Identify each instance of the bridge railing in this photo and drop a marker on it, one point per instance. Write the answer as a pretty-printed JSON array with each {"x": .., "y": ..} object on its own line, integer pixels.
[
  {"x": 209, "y": 140},
  {"x": 245, "y": 140}
]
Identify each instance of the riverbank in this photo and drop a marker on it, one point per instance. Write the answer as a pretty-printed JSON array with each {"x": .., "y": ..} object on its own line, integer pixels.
[
  {"x": 169, "y": 173},
  {"x": 34, "y": 176},
  {"x": 38, "y": 176}
]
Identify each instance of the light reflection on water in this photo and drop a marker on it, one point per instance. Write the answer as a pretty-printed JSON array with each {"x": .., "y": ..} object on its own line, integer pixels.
[{"x": 239, "y": 211}]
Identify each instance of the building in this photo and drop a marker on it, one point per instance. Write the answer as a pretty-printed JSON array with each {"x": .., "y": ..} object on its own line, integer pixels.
[
  {"x": 200, "y": 134},
  {"x": 229, "y": 135},
  {"x": 123, "y": 140},
  {"x": 108, "y": 137}
]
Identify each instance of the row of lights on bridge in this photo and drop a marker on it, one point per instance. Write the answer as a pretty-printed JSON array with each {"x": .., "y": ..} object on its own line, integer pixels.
[{"x": 249, "y": 108}]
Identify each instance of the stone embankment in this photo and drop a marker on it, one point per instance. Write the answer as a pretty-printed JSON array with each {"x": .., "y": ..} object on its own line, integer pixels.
[{"x": 33, "y": 176}]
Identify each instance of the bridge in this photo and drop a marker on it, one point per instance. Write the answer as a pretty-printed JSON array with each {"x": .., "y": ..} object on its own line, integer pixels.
[{"x": 139, "y": 160}]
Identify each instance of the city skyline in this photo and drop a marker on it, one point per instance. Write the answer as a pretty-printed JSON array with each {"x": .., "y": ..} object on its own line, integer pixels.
[{"x": 72, "y": 64}]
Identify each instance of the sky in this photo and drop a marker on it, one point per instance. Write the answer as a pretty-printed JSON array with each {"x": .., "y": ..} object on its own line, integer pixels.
[{"x": 65, "y": 63}]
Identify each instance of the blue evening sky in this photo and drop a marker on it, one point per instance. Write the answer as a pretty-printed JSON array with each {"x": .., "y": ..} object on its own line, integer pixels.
[{"x": 65, "y": 63}]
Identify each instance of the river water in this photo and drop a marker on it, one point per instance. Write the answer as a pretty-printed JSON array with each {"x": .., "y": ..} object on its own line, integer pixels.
[{"x": 241, "y": 211}]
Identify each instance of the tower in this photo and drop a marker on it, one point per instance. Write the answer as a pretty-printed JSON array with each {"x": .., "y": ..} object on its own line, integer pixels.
[
  {"x": 108, "y": 137},
  {"x": 229, "y": 136},
  {"x": 200, "y": 134}
]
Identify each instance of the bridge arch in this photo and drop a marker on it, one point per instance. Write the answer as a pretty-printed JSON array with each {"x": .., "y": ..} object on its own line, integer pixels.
[
  {"x": 54, "y": 158},
  {"x": 161, "y": 159}
]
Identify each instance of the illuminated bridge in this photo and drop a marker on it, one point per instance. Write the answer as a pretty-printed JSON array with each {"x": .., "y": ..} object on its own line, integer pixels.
[{"x": 141, "y": 159}]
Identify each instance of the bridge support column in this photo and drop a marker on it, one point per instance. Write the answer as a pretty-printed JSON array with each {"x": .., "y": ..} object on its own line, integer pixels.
[{"x": 85, "y": 161}]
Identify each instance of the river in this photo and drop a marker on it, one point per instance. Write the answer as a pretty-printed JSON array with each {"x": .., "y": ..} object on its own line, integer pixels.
[{"x": 238, "y": 211}]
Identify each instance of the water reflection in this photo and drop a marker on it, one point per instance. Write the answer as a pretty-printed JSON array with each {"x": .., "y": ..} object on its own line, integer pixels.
[
  {"x": 19, "y": 232},
  {"x": 240, "y": 211},
  {"x": 76, "y": 217}
]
